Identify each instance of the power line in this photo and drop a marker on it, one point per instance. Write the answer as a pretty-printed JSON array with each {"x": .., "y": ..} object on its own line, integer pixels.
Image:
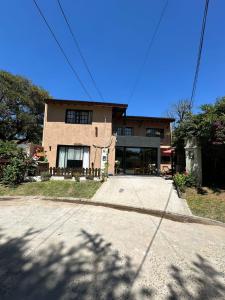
[
  {"x": 200, "y": 50},
  {"x": 79, "y": 50},
  {"x": 148, "y": 50},
  {"x": 62, "y": 50}
]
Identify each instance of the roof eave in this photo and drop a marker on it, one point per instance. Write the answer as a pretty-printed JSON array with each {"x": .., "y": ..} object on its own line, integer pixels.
[{"x": 80, "y": 102}]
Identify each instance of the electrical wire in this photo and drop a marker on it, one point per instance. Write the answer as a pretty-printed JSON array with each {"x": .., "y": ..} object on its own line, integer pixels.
[
  {"x": 151, "y": 42},
  {"x": 79, "y": 50},
  {"x": 62, "y": 50},
  {"x": 200, "y": 51}
]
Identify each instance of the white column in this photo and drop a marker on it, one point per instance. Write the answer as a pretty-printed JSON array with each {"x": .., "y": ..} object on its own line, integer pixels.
[{"x": 193, "y": 156}]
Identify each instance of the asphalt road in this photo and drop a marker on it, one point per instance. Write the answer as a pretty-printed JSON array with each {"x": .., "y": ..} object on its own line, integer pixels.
[{"x": 66, "y": 251}]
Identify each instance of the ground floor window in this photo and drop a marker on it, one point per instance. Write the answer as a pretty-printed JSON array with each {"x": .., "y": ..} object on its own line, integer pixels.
[
  {"x": 136, "y": 160},
  {"x": 72, "y": 157}
]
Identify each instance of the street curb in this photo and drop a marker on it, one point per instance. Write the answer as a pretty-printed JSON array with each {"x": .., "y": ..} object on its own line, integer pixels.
[{"x": 153, "y": 212}]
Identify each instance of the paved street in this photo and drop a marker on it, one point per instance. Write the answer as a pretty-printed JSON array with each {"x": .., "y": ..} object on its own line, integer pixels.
[
  {"x": 142, "y": 191},
  {"x": 54, "y": 250}
]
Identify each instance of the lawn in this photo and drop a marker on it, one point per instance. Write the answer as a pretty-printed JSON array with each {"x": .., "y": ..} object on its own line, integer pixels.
[
  {"x": 206, "y": 202},
  {"x": 53, "y": 188}
]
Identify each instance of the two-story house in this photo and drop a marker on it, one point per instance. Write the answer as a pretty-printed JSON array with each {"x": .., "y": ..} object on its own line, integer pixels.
[{"x": 89, "y": 134}]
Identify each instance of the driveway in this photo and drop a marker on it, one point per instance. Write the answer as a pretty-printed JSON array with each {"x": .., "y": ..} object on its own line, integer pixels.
[
  {"x": 67, "y": 251},
  {"x": 142, "y": 191}
]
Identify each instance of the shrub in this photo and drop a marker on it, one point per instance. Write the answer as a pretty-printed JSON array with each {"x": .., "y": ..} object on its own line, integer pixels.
[
  {"x": 45, "y": 176},
  {"x": 9, "y": 150},
  {"x": 105, "y": 173},
  {"x": 179, "y": 180},
  {"x": 18, "y": 165},
  {"x": 184, "y": 180},
  {"x": 77, "y": 177},
  {"x": 190, "y": 180},
  {"x": 14, "y": 172}
]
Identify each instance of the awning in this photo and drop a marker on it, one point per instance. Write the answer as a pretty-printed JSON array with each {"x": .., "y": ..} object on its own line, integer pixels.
[{"x": 169, "y": 151}]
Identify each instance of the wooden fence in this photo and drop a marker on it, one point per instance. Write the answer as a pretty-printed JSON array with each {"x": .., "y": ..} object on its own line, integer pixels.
[
  {"x": 95, "y": 172},
  {"x": 44, "y": 167}
]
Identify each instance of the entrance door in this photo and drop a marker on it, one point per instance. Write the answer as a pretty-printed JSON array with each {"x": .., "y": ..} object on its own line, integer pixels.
[
  {"x": 150, "y": 156},
  {"x": 133, "y": 160},
  {"x": 136, "y": 160}
]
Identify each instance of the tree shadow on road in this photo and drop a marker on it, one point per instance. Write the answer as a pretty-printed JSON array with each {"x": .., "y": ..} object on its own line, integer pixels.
[
  {"x": 89, "y": 270},
  {"x": 203, "y": 282},
  {"x": 92, "y": 270}
]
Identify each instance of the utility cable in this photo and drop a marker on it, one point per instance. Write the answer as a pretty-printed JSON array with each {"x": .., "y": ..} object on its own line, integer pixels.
[
  {"x": 151, "y": 42},
  {"x": 62, "y": 50},
  {"x": 79, "y": 50},
  {"x": 200, "y": 51}
]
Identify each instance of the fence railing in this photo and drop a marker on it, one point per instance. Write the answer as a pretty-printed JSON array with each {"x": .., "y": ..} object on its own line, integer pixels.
[
  {"x": 95, "y": 172},
  {"x": 44, "y": 167}
]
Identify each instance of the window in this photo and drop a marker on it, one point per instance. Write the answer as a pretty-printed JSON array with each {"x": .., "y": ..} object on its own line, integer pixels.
[
  {"x": 128, "y": 131},
  {"x": 155, "y": 132},
  {"x": 78, "y": 116},
  {"x": 124, "y": 131},
  {"x": 119, "y": 131},
  {"x": 73, "y": 157}
]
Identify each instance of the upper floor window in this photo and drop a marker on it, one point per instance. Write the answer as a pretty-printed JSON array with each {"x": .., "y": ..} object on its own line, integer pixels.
[
  {"x": 128, "y": 131},
  {"x": 124, "y": 131},
  {"x": 155, "y": 132},
  {"x": 119, "y": 131},
  {"x": 78, "y": 116}
]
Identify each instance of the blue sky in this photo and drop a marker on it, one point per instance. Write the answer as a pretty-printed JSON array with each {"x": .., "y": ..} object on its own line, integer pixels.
[{"x": 114, "y": 36}]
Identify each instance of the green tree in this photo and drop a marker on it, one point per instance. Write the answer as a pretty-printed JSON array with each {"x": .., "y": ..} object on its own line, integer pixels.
[
  {"x": 21, "y": 109},
  {"x": 9, "y": 149},
  {"x": 208, "y": 125}
]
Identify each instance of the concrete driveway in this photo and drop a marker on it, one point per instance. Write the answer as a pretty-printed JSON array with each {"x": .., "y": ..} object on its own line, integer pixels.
[
  {"x": 66, "y": 251},
  {"x": 142, "y": 191}
]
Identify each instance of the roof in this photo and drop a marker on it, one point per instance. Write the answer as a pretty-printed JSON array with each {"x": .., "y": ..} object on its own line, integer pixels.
[
  {"x": 81, "y": 102},
  {"x": 143, "y": 118},
  {"x": 117, "y": 107}
]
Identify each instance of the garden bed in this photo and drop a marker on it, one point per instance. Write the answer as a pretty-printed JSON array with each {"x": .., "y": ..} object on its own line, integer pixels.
[
  {"x": 63, "y": 188},
  {"x": 206, "y": 202}
]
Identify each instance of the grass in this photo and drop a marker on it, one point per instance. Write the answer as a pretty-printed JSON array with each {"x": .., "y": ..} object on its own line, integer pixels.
[
  {"x": 53, "y": 188},
  {"x": 206, "y": 202}
]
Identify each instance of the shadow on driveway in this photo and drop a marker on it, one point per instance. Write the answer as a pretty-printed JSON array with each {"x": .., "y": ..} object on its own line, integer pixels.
[{"x": 90, "y": 270}]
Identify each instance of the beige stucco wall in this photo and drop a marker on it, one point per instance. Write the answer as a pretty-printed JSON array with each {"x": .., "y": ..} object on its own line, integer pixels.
[
  {"x": 139, "y": 128},
  {"x": 57, "y": 132}
]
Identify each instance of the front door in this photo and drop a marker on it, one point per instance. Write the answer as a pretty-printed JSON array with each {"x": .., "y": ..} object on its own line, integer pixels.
[{"x": 137, "y": 160}]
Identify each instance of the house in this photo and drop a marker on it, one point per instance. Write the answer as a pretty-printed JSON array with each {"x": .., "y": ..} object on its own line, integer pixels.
[{"x": 88, "y": 134}]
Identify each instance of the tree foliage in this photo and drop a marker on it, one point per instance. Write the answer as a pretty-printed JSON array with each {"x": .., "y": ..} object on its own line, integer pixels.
[
  {"x": 9, "y": 149},
  {"x": 208, "y": 126},
  {"x": 18, "y": 163},
  {"x": 21, "y": 108},
  {"x": 180, "y": 110},
  {"x": 14, "y": 172}
]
